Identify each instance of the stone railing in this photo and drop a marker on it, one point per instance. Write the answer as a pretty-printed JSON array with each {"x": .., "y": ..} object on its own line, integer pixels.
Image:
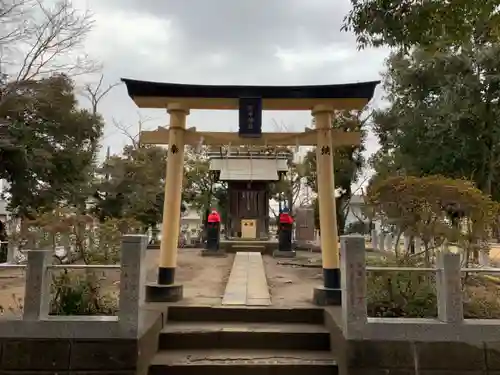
[
  {"x": 36, "y": 321},
  {"x": 450, "y": 324}
]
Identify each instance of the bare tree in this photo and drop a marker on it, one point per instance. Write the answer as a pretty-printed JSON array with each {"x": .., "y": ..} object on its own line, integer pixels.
[
  {"x": 11, "y": 28},
  {"x": 95, "y": 93},
  {"x": 125, "y": 130},
  {"x": 38, "y": 39}
]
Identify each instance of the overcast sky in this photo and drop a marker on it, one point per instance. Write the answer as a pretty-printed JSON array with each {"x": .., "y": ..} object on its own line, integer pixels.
[{"x": 258, "y": 42}]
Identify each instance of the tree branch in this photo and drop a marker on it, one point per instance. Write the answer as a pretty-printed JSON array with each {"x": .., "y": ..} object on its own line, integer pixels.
[
  {"x": 95, "y": 93},
  {"x": 42, "y": 39}
]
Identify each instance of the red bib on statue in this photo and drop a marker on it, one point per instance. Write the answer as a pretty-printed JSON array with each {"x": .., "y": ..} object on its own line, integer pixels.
[
  {"x": 214, "y": 217},
  {"x": 286, "y": 219}
]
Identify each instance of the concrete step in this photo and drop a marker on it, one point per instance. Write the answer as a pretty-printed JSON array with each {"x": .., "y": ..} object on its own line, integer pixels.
[
  {"x": 244, "y": 314},
  {"x": 243, "y": 362},
  {"x": 229, "y": 335}
]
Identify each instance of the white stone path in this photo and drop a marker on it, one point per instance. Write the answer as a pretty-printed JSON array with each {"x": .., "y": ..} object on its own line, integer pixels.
[{"x": 247, "y": 284}]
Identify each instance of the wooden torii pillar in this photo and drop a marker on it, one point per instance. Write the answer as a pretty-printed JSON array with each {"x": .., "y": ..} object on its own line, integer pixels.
[{"x": 250, "y": 100}]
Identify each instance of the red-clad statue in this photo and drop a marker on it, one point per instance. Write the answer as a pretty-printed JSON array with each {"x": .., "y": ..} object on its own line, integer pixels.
[
  {"x": 285, "y": 230},
  {"x": 213, "y": 230}
]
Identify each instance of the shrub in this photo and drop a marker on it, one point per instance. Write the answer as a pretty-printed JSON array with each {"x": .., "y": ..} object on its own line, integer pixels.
[
  {"x": 400, "y": 294},
  {"x": 80, "y": 294},
  {"x": 413, "y": 295}
]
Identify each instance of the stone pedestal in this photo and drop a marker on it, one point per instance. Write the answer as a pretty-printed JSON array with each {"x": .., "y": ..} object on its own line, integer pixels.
[
  {"x": 323, "y": 296},
  {"x": 163, "y": 293}
]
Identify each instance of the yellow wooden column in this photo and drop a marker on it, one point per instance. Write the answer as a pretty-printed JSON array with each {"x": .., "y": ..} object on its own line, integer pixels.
[
  {"x": 166, "y": 289},
  {"x": 329, "y": 293}
]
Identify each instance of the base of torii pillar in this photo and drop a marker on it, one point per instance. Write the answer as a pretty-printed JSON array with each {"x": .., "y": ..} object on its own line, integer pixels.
[
  {"x": 164, "y": 293},
  {"x": 323, "y": 296}
]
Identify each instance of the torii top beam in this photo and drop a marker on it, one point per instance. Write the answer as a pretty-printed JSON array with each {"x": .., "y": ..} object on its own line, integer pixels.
[{"x": 159, "y": 95}]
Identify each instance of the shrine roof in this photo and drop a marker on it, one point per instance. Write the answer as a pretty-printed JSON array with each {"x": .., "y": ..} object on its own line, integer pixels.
[
  {"x": 246, "y": 169},
  {"x": 148, "y": 94}
]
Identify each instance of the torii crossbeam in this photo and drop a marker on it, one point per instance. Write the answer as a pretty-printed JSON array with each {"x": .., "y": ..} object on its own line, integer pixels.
[{"x": 307, "y": 138}]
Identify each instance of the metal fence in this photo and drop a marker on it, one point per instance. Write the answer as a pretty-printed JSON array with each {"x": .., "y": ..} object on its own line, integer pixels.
[
  {"x": 36, "y": 321},
  {"x": 450, "y": 324}
]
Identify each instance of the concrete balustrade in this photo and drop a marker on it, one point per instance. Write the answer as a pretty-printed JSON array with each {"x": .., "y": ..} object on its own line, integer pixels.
[
  {"x": 36, "y": 322},
  {"x": 450, "y": 324}
]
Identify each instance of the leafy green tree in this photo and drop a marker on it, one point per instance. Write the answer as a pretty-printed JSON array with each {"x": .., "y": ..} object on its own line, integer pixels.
[
  {"x": 132, "y": 185},
  {"x": 201, "y": 190},
  {"x": 409, "y": 23},
  {"x": 48, "y": 144},
  {"x": 198, "y": 182},
  {"x": 348, "y": 161},
  {"x": 442, "y": 117}
]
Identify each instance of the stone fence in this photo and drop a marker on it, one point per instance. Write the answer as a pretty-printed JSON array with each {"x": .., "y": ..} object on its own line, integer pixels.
[
  {"x": 36, "y": 321},
  {"x": 449, "y": 326}
]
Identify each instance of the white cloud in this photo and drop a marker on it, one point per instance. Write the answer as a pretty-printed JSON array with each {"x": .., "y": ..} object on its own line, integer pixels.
[
  {"x": 293, "y": 59},
  {"x": 140, "y": 35}
]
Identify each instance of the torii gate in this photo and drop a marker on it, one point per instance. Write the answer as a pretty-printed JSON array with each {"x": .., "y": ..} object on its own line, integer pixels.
[{"x": 179, "y": 99}]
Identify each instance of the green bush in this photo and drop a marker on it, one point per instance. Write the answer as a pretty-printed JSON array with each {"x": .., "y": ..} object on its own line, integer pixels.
[
  {"x": 413, "y": 294},
  {"x": 400, "y": 294},
  {"x": 80, "y": 294}
]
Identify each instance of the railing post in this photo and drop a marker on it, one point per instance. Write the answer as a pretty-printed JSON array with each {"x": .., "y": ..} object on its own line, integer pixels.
[
  {"x": 418, "y": 244},
  {"x": 374, "y": 240},
  {"x": 37, "y": 289},
  {"x": 11, "y": 252},
  {"x": 132, "y": 281},
  {"x": 381, "y": 242},
  {"x": 449, "y": 288},
  {"x": 389, "y": 241},
  {"x": 353, "y": 272}
]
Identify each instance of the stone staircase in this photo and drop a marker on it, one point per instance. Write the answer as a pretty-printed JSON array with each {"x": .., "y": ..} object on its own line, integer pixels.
[{"x": 243, "y": 341}]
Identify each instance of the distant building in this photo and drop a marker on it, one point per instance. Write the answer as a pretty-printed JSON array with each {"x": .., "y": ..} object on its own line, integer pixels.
[{"x": 191, "y": 221}]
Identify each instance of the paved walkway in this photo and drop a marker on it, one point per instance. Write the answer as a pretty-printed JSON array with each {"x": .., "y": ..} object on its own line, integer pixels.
[{"x": 247, "y": 284}]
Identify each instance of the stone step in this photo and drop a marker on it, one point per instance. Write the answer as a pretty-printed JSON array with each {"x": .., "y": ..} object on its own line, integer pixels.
[
  {"x": 243, "y": 362},
  {"x": 232, "y": 335},
  {"x": 311, "y": 315}
]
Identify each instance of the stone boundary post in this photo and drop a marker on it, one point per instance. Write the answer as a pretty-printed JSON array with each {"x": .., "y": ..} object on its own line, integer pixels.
[
  {"x": 353, "y": 273},
  {"x": 132, "y": 281},
  {"x": 381, "y": 241},
  {"x": 37, "y": 289},
  {"x": 389, "y": 242},
  {"x": 374, "y": 239},
  {"x": 449, "y": 288}
]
